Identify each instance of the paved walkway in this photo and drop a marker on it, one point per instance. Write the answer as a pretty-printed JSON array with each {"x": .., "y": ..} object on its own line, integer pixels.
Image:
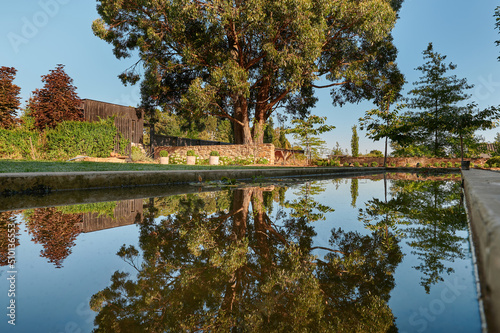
[{"x": 482, "y": 194}]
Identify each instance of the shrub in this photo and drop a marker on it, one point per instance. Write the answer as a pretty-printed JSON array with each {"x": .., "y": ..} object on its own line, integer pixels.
[
  {"x": 493, "y": 160},
  {"x": 19, "y": 143},
  {"x": 163, "y": 153},
  {"x": 214, "y": 153},
  {"x": 346, "y": 164},
  {"x": 436, "y": 164},
  {"x": 336, "y": 163},
  {"x": 137, "y": 155},
  {"x": 393, "y": 164},
  {"x": 176, "y": 159},
  {"x": 408, "y": 165},
  {"x": 71, "y": 138},
  {"x": 263, "y": 161},
  {"x": 365, "y": 165},
  {"x": 190, "y": 153},
  {"x": 449, "y": 165},
  {"x": 458, "y": 164},
  {"x": 486, "y": 165},
  {"x": 374, "y": 164},
  {"x": 356, "y": 164}
]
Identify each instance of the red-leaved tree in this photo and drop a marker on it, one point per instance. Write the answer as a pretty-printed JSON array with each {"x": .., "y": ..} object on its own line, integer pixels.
[
  {"x": 56, "y": 101},
  {"x": 9, "y": 97}
]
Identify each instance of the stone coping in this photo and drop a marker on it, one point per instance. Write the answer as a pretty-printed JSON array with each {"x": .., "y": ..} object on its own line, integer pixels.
[
  {"x": 32, "y": 190},
  {"x": 482, "y": 195},
  {"x": 41, "y": 183}
]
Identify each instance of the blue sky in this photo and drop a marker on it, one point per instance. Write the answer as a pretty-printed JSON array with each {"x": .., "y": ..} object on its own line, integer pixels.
[{"x": 36, "y": 35}]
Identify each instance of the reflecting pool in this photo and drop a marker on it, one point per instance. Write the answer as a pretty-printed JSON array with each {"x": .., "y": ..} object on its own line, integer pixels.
[{"x": 382, "y": 253}]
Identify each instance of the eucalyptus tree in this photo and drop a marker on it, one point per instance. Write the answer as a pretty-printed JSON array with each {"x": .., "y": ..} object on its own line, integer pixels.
[
  {"x": 497, "y": 24},
  {"x": 243, "y": 60}
]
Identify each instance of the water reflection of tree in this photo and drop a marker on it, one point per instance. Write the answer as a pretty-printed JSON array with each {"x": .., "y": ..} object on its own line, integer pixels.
[
  {"x": 56, "y": 232},
  {"x": 235, "y": 270},
  {"x": 429, "y": 214}
]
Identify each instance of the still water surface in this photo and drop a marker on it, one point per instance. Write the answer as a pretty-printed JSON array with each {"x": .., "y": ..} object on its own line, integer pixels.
[{"x": 338, "y": 255}]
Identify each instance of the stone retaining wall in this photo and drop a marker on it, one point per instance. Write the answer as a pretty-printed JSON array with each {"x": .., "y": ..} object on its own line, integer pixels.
[
  {"x": 258, "y": 151},
  {"x": 403, "y": 161}
]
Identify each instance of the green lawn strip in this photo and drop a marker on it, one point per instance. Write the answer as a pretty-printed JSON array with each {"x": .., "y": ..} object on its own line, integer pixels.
[{"x": 15, "y": 166}]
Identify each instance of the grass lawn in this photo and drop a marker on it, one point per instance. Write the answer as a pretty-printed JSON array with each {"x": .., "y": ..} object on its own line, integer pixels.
[{"x": 39, "y": 166}]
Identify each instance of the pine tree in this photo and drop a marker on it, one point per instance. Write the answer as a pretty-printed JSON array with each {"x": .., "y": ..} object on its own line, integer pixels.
[{"x": 436, "y": 95}]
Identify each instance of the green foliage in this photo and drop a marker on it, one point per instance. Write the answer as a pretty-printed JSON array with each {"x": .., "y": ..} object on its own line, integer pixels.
[
  {"x": 354, "y": 142},
  {"x": 214, "y": 153},
  {"x": 497, "y": 24},
  {"x": 176, "y": 158},
  {"x": 190, "y": 152},
  {"x": 163, "y": 153},
  {"x": 101, "y": 208},
  {"x": 138, "y": 156},
  {"x": 365, "y": 165},
  {"x": 196, "y": 64},
  {"x": 19, "y": 144},
  {"x": 375, "y": 153},
  {"x": 356, "y": 164},
  {"x": 71, "y": 138},
  {"x": 337, "y": 150},
  {"x": 374, "y": 164},
  {"x": 306, "y": 134},
  {"x": 262, "y": 161},
  {"x": 444, "y": 120},
  {"x": 493, "y": 160}
]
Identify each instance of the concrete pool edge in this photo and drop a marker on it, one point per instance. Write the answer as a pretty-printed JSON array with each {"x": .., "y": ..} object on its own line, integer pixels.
[
  {"x": 37, "y": 183},
  {"x": 482, "y": 196}
]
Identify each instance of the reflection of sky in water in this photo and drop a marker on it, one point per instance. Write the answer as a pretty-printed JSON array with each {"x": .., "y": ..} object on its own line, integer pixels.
[{"x": 56, "y": 300}]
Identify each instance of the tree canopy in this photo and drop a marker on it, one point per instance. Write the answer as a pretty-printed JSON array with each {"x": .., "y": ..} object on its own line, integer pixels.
[
  {"x": 9, "y": 97},
  {"x": 242, "y": 60},
  {"x": 306, "y": 134},
  {"x": 497, "y": 24},
  {"x": 56, "y": 101},
  {"x": 436, "y": 96}
]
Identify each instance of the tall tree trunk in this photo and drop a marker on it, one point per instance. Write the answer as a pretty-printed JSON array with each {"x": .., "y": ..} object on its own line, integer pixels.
[
  {"x": 385, "y": 153},
  {"x": 242, "y": 133},
  {"x": 462, "y": 147},
  {"x": 260, "y": 111}
]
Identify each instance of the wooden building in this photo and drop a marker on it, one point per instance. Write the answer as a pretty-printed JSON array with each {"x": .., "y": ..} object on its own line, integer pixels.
[{"x": 128, "y": 120}]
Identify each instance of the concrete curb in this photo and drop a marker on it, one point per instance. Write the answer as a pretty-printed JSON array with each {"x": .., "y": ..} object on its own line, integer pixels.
[
  {"x": 482, "y": 195},
  {"x": 40, "y": 183}
]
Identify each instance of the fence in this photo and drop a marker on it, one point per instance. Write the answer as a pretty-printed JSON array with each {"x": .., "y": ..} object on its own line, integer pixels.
[{"x": 175, "y": 141}]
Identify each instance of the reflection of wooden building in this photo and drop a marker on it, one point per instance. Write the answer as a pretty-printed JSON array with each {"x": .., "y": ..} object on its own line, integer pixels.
[
  {"x": 128, "y": 120},
  {"x": 127, "y": 212}
]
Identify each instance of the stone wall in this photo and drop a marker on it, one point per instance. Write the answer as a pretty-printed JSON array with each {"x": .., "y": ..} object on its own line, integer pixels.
[
  {"x": 258, "y": 151},
  {"x": 403, "y": 161}
]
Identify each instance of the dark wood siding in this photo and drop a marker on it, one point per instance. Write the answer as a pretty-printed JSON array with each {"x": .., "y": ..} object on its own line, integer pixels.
[{"x": 129, "y": 121}]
